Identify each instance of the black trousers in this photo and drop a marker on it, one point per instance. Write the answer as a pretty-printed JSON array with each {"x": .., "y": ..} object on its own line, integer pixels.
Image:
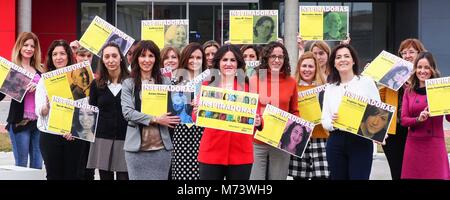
[
  {"x": 61, "y": 157},
  {"x": 394, "y": 149},
  {"x": 229, "y": 172},
  {"x": 85, "y": 173}
]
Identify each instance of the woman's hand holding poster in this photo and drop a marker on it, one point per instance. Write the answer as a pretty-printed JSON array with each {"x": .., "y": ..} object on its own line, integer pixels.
[
  {"x": 285, "y": 131},
  {"x": 364, "y": 117},
  {"x": 14, "y": 80},
  {"x": 227, "y": 110}
]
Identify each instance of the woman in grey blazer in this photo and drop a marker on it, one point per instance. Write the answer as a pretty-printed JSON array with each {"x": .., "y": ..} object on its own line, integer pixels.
[{"x": 148, "y": 146}]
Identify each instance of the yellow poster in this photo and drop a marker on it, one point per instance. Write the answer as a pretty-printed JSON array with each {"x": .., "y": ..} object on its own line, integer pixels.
[
  {"x": 77, "y": 118},
  {"x": 100, "y": 32},
  {"x": 324, "y": 22},
  {"x": 309, "y": 105},
  {"x": 389, "y": 70},
  {"x": 175, "y": 99},
  {"x": 438, "y": 91},
  {"x": 166, "y": 33},
  {"x": 253, "y": 26},
  {"x": 14, "y": 80},
  {"x": 364, "y": 117},
  {"x": 285, "y": 131},
  {"x": 71, "y": 82},
  {"x": 228, "y": 110}
]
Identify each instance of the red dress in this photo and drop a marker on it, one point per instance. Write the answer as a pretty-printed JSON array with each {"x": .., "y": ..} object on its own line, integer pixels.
[{"x": 425, "y": 154}]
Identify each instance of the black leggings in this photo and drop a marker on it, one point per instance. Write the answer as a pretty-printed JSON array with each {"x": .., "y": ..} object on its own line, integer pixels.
[
  {"x": 108, "y": 175},
  {"x": 229, "y": 172}
]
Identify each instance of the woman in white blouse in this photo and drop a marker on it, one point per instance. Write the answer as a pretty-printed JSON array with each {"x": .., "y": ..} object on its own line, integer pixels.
[{"x": 349, "y": 156}]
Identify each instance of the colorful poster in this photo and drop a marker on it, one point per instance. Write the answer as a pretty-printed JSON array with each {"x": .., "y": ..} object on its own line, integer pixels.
[
  {"x": 14, "y": 79},
  {"x": 160, "y": 99},
  {"x": 253, "y": 26},
  {"x": 285, "y": 131},
  {"x": 389, "y": 70},
  {"x": 68, "y": 116},
  {"x": 228, "y": 110},
  {"x": 324, "y": 22},
  {"x": 71, "y": 82},
  {"x": 438, "y": 90},
  {"x": 100, "y": 32},
  {"x": 166, "y": 71},
  {"x": 166, "y": 33},
  {"x": 309, "y": 104},
  {"x": 364, "y": 117},
  {"x": 250, "y": 68}
]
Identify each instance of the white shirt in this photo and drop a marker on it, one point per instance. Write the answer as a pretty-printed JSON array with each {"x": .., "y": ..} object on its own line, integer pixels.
[
  {"x": 40, "y": 99},
  {"x": 361, "y": 85},
  {"x": 114, "y": 88}
]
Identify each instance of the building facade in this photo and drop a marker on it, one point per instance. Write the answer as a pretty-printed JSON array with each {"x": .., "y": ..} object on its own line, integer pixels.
[{"x": 374, "y": 25}]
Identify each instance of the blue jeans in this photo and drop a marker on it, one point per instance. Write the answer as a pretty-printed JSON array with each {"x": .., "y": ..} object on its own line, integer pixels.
[{"x": 26, "y": 143}]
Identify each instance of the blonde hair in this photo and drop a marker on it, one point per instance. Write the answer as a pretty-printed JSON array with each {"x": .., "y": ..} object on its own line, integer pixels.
[
  {"x": 171, "y": 33},
  {"x": 318, "y": 76},
  {"x": 324, "y": 47},
  {"x": 35, "y": 61}
]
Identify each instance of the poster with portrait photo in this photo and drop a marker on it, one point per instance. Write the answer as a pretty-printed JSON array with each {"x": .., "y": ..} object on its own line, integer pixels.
[
  {"x": 364, "y": 117},
  {"x": 253, "y": 26},
  {"x": 389, "y": 70},
  {"x": 100, "y": 32},
  {"x": 165, "y": 33},
  {"x": 180, "y": 104},
  {"x": 70, "y": 82},
  {"x": 74, "y": 117},
  {"x": 329, "y": 23},
  {"x": 14, "y": 80},
  {"x": 285, "y": 131}
]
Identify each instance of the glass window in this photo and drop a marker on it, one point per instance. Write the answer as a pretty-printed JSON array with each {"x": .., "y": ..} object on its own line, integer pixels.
[
  {"x": 203, "y": 22},
  {"x": 169, "y": 10},
  {"x": 129, "y": 16},
  {"x": 89, "y": 11}
]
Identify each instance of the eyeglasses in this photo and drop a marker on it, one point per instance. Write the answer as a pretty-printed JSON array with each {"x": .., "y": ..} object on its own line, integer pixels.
[
  {"x": 274, "y": 57},
  {"x": 404, "y": 53}
]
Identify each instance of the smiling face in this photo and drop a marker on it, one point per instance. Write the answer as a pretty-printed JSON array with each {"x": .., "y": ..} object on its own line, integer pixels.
[
  {"x": 297, "y": 134},
  {"x": 228, "y": 64},
  {"x": 180, "y": 36},
  {"x": 423, "y": 70},
  {"x": 171, "y": 60},
  {"x": 409, "y": 54},
  {"x": 195, "y": 60},
  {"x": 60, "y": 57},
  {"x": 87, "y": 119},
  {"x": 308, "y": 70},
  {"x": 27, "y": 50},
  {"x": 343, "y": 61},
  {"x": 276, "y": 59},
  {"x": 375, "y": 123},
  {"x": 210, "y": 52},
  {"x": 146, "y": 61}
]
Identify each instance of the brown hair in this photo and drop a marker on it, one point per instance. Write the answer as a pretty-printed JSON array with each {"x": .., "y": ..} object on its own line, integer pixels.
[
  {"x": 411, "y": 42},
  {"x": 184, "y": 59},
  {"x": 265, "y": 54},
  {"x": 103, "y": 75},
  {"x": 415, "y": 83},
  {"x": 67, "y": 49},
  {"x": 35, "y": 61},
  {"x": 141, "y": 47},
  {"x": 318, "y": 76},
  {"x": 165, "y": 54},
  {"x": 324, "y": 47},
  {"x": 334, "y": 76}
]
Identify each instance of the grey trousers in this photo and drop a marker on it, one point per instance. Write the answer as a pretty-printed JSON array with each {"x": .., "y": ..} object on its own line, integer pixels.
[
  {"x": 148, "y": 165},
  {"x": 276, "y": 160}
]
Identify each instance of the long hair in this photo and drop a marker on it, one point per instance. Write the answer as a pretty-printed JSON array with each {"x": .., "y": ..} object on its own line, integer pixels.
[
  {"x": 334, "y": 76},
  {"x": 216, "y": 64},
  {"x": 67, "y": 49},
  {"x": 250, "y": 46},
  {"x": 103, "y": 75},
  {"x": 415, "y": 83},
  {"x": 318, "y": 76},
  {"x": 210, "y": 43},
  {"x": 35, "y": 61},
  {"x": 141, "y": 48},
  {"x": 390, "y": 75},
  {"x": 184, "y": 60},
  {"x": 286, "y": 138},
  {"x": 265, "y": 54},
  {"x": 324, "y": 47}
]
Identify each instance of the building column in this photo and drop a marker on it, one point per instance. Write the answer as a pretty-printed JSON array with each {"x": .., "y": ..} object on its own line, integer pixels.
[
  {"x": 290, "y": 30},
  {"x": 24, "y": 16}
]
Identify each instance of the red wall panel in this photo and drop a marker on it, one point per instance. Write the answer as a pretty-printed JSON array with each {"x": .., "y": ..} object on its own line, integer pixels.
[
  {"x": 7, "y": 27},
  {"x": 54, "y": 19}
]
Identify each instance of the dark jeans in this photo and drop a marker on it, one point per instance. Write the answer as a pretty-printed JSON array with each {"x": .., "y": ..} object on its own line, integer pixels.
[
  {"x": 394, "y": 149},
  {"x": 61, "y": 157},
  {"x": 229, "y": 172},
  {"x": 85, "y": 173},
  {"x": 349, "y": 156}
]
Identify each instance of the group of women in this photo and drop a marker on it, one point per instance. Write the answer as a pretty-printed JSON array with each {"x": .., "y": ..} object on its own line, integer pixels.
[{"x": 135, "y": 145}]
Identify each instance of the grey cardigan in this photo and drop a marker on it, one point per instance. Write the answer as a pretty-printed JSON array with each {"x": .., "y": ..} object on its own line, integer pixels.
[{"x": 134, "y": 118}]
